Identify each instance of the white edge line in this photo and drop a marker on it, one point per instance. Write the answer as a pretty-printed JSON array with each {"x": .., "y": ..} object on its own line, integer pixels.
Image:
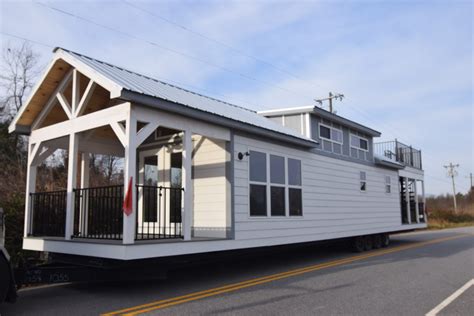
[{"x": 450, "y": 299}]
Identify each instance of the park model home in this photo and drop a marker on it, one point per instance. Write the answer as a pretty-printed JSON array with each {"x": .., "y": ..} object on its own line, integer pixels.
[{"x": 199, "y": 174}]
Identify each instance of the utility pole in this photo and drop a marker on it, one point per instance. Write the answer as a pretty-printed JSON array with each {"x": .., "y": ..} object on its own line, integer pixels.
[
  {"x": 452, "y": 173},
  {"x": 337, "y": 96},
  {"x": 470, "y": 176}
]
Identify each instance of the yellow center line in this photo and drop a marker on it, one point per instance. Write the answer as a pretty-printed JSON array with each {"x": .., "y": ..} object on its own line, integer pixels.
[{"x": 139, "y": 309}]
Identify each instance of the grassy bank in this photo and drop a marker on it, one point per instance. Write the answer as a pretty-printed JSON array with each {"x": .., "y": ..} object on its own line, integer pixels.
[{"x": 448, "y": 219}]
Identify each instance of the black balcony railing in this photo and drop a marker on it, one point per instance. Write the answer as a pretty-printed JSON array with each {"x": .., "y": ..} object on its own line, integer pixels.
[
  {"x": 98, "y": 212},
  {"x": 400, "y": 152},
  {"x": 158, "y": 212},
  {"x": 48, "y": 214}
]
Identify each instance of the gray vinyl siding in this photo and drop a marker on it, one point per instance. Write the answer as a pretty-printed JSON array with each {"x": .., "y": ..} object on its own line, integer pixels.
[
  {"x": 345, "y": 149},
  {"x": 332, "y": 201},
  {"x": 293, "y": 122}
]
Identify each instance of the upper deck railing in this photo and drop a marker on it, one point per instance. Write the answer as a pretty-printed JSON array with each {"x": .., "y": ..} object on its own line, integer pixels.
[{"x": 404, "y": 154}]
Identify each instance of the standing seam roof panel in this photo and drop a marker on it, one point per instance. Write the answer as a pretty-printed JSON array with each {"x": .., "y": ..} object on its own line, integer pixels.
[{"x": 144, "y": 85}]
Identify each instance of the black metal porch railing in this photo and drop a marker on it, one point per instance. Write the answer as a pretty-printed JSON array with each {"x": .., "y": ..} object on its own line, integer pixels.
[
  {"x": 98, "y": 212},
  {"x": 158, "y": 212},
  {"x": 48, "y": 213},
  {"x": 402, "y": 153}
]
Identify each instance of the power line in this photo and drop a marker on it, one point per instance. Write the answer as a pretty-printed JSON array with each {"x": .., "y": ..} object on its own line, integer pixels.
[
  {"x": 171, "y": 50},
  {"x": 25, "y": 39},
  {"x": 221, "y": 43}
]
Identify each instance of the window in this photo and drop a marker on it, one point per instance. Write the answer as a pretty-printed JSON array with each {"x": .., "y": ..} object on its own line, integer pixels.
[
  {"x": 258, "y": 166},
  {"x": 277, "y": 188},
  {"x": 279, "y": 194},
  {"x": 277, "y": 169},
  {"x": 294, "y": 172},
  {"x": 359, "y": 142},
  {"x": 258, "y": 200},
  {"x": 258, "y": 190},
  {"x": 363, "y": 181},
  {"x": 388, "y": 185},
  {"x": 296, "y": 205},
  {"x": 330, "y": 133},
  {"x": 277, "y": 201}
]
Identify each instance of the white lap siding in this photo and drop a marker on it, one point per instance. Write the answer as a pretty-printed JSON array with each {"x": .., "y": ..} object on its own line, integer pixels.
[{"x": 333, "y": 205}]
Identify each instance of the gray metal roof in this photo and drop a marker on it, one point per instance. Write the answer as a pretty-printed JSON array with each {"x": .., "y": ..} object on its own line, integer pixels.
[
  {"x": 324, "y": 114},
  {"x": 144, "y": 85}
]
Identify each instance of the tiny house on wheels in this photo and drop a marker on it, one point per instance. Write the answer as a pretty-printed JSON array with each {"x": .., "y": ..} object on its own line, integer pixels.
[{"x": 202, "y": 175}]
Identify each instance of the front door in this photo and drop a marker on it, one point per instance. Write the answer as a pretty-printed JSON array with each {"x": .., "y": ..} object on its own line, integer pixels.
[{"x": 159, "y": 192}]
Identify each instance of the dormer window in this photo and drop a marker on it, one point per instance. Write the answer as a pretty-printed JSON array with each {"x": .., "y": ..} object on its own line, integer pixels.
[
  {"x": 330, "y": 133},
  {"x": 359, "y": 142}
]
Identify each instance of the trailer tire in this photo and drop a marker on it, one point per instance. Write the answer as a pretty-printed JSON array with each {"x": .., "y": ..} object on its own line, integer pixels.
[
  {"x": 377, "y": 241},
  {"x": 358, "y": 244},
  {"x": 368, "y": 242},
  {"x": 385, "y": 240}
]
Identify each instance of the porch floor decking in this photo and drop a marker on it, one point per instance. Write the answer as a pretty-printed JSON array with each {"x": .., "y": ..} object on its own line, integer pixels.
[{"x": 138, "y": 241}]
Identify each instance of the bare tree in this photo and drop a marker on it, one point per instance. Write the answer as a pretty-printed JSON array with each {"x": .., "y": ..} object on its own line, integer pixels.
[{"x": 17, "y": 74}]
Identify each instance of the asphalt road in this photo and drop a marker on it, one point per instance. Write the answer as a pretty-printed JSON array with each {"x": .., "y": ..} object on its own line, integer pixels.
[{"x": 411, "y": 277}]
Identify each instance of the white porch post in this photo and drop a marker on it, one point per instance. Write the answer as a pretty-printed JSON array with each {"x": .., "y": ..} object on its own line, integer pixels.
[
  {"x": 85, "y": 160},
  {"x": 71, "y": 182},
  {"x": 30, "y": 188},
  {"x": 408, "y": 200},
  {"x": 130, "y": 168},
  {"x": 417, "y": 207},
  {"x": 425, "y": 217},
  {"x": 188, "y": 184}
]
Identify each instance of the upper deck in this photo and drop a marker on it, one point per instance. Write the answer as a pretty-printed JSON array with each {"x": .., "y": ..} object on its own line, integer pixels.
[{"x": 399, "y": 152}]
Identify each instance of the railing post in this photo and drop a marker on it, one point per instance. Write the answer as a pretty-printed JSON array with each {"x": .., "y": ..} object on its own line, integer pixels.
[
  {"x": 71, "y": 182},
  {"x": 130, "y": 168},
  {"x": 187, "y": 217}
]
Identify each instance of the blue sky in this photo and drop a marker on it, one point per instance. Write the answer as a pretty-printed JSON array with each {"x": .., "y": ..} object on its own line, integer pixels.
[{"x": 406, "y": 67}]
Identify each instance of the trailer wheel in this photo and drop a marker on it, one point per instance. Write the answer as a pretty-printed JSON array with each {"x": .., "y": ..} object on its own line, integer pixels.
[
  {"x": 368, "y": 242},
  {"x": 377, "y": 241},
  {"x": 385, "y": 240},
  {"x": 358, "y": 244}
]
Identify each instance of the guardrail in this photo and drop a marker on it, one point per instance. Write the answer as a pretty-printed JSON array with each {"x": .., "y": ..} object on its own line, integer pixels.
[
  {"x": 404, "y": 154},
  {"x": 48, "y": 213},
  {"x": 158, "y": 212}
]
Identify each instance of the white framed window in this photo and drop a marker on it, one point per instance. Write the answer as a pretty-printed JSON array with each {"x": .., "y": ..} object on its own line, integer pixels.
[
  {"x": 330, "y": 133},
  {"x": 363, "y": 181},
  {"x": 388, "y": 184},
  {"x": 359, "y": 142},
  {"x": 275, "y": 187}
]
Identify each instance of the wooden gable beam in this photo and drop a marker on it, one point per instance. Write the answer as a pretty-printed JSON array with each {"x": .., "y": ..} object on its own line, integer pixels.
[
  {"x": 119, "y": 130},
  {"x": 85, "y": 98},
  {"x": 65, "y": 105},
  {"x": 49, "y": 104}
]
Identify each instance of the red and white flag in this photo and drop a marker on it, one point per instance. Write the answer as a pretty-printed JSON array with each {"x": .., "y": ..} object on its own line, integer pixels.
[{"x": 127, "y": 202}]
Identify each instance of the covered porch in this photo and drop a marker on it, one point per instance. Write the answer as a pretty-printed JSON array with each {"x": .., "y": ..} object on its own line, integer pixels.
[{"x": 176, "y": 172}]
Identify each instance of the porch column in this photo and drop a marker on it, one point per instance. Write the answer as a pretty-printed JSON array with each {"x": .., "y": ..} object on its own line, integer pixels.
[
  {"x": 425, "y": 216},
  {"x": 30, "y": 188},
  {"x": 408, "y": 200},
  {"x": 188, "y": 184},
  {"x": 71, "y": 182},
  {"x": 85, "y": 161},
  {"x": 129, "y": 171},
  {"x": 417, "y": 208}
]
